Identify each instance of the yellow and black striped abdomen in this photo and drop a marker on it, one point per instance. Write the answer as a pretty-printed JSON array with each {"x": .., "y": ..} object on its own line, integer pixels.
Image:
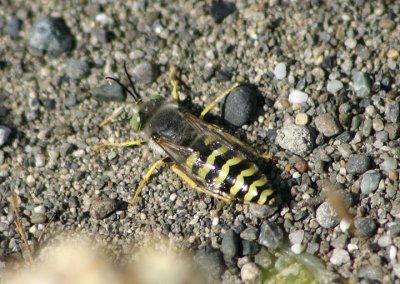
[{"x": 224, "y": 169}]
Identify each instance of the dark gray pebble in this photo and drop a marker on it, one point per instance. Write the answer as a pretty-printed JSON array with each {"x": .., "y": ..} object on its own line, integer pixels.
[
  {"x": 219, "y": 10},
  {"x": 102, "y": 207},
  {"x": 249, "y": 248},
  {"x": 145, "y": 72},
  {"x": 240, "y": 105},
  {"x": 271, "y": 235},
  {"x": 357, "y": 164},
  {"x": 212, "y": 262},
  {"x": 230, "y": 244},
  {"x": 109, "y": 92},
  {"x": 365, "y": 227},
  {"x": 50, "y": 34},
  {"x": 13, "y": 27},
  {"x": 4, "y": 134},
  {"x": 77, "y": 69},
  {"x": 49, "y": 104}
]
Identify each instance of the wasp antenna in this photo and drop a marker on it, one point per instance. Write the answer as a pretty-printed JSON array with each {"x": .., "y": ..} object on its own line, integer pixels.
[
  {"x": 126, "y": 89},
  {"x": 131, "y": 82}
]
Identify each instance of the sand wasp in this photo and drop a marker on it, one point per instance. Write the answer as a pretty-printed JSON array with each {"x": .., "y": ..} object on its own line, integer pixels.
[{"x": 202, "y": 154}]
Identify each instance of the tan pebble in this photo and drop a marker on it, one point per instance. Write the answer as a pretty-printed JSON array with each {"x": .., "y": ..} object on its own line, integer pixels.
[
  {"x": 392, "y": 53},
  {"x": 301, "y": 118}
]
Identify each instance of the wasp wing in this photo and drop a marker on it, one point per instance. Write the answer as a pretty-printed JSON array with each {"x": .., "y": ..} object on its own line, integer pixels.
[{"x": 234, "y": 143}]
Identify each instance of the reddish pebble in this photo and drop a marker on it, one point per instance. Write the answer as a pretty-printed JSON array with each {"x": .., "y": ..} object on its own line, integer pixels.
[{"x": 301, "y": 166}]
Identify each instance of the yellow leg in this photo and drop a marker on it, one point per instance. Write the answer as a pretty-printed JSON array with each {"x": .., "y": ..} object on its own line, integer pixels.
[
  {"x": 174, "y": 82},
  {"x": 113, "y": 116},
  {"x": 145, "y": 179},
  {"x": 217, "y": 100},
  {"x": 194, "y": 184},
  {"x": 120, "y": 144},
  {"x": 266, "y": 156}
]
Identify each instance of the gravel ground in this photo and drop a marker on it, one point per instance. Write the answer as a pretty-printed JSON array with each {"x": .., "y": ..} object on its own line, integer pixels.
[{"x": 328, "y": 110}]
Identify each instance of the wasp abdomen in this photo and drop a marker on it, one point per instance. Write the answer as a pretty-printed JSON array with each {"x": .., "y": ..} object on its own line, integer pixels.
[{"x": 228, "y": 170}]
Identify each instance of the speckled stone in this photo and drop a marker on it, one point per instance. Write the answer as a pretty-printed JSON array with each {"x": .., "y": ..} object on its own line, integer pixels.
[
  {"x": 230, "y": 244},
  {"x": 361, "y": 84},
  {"x": 297, "y": 139},
  {"x": 357, "y": 164},
  {"x": 326, "y": 216},
  {"x": 271, "y": 235},
  {"x": 370, "y": 182},
  {"x": 102, "y": 207}
]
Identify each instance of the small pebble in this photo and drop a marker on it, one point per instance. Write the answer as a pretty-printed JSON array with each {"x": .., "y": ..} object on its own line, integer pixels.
[
  {"x": 51, "y": 35},
  {"x": 102, "y": 207},
  {"x": 388, "y": 165},
  {"x": 280, "y": 71},
  {"x": 327, "y": 125},
  {"x": 296, "y": 237},
  {"x": 350, "y": 43},
  {"x": 365, "y": 227},
  {"x": 357, "y": 164},
  {"x": 384, "y": 241},
  {"x": 145, "y": 73},
  {"x": 40, "y": 160},
  {"x": 334, "y": 86},
  {"x": 263, "y": 258},
  {"x": 261, "y": 211},
  {"x": 271, "y": 235},
  {"x": 301, "y": 119},
  {"x": 4, "y": 134},
  {"x": 296, "y": 248},
  {"x": 392, "y": 111},
  {"x": 301, "y": 166},
  {"x": 249, "y": 248},
  {"x": 230, "y": 244},
  {"x": 212, "y": 262},
  {"x": 297, "y": 139},
  {"x": 326, "y": 216},
  {"x": 30, "y": 180},
  {"x": 13, "y": 27},
  {"x": 77, "y": 69},
  {"x": 109, "y": 92},
  {"x": 298, "y": 97},
  {"x": 339, "y": 257},
  {"x": 370, "y": 182},
  {"x": 251, "y": 273},
  {"x": 38, "y": 218},
  {"x": 250, "y": 233},
  {"x": 219, "y": 10},
  {"x": 392, "y": 53},
  {"x": 361, "y": 84},
  {"x": 240, "y": 105}
]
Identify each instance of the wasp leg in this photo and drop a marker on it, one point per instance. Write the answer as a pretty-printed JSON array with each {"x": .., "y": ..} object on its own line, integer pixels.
[
  {"x": 158, "y": 163},
  {"x": 195, "y": 185},
  {"x": 120, "y": 144},
  {"x": 266, "y": 156},
  {"x": 113, "y": 116},
  {"x": 214, "y": 103},
  {"x": 174, "y": 82}
]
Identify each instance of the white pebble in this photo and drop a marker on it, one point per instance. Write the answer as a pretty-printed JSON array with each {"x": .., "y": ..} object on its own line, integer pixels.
[
  {"x": 392, "y": 252},
  {"x": 334, "y": 86},
  {"x": 344, "y": 225},
  {"x": 30, "y": 180},
  {"x": 298, "y": 97},
  {"x": 251, "y": 273},
  {"x": 280, "y": 71},
  {"x": 296, "y": 249},
  {"x": 352, "y": 247},
  {"x": 339, "y": 257}
]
